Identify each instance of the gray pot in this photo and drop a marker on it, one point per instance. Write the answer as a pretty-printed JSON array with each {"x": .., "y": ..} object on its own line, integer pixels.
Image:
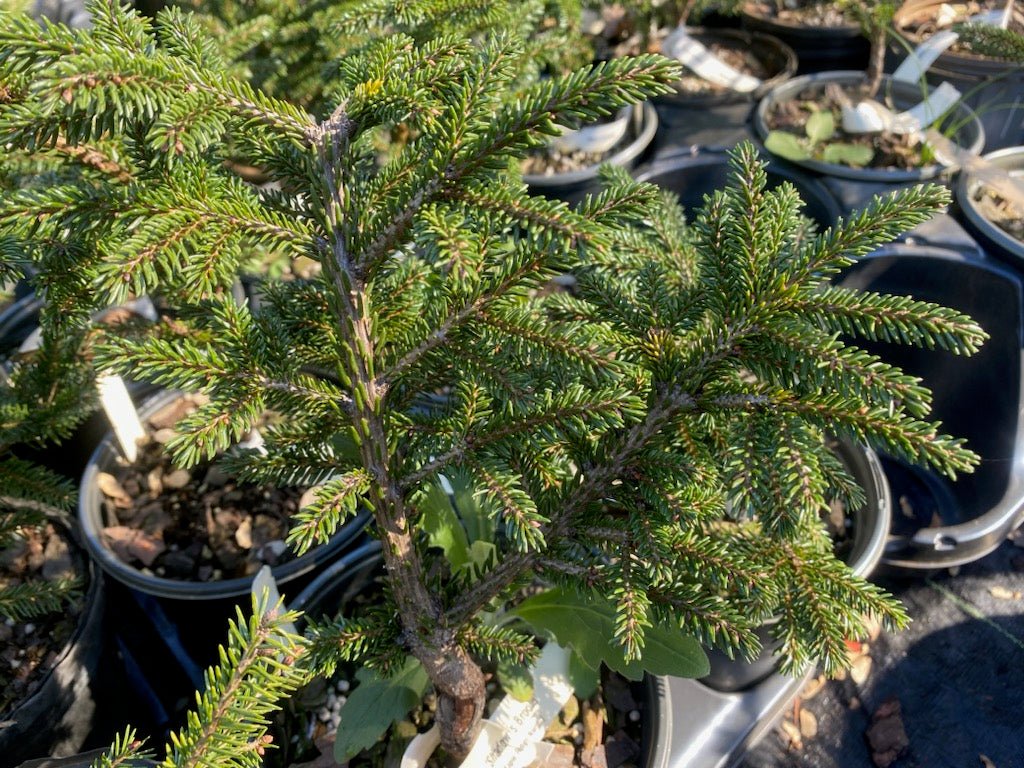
[
  {"x": 970, "y": 136},
  {"x": 998, "y": 242},
  {"x": 573, "y": 186},
  {"x": 90, "y": 517},
  {"x": 817, "y": 48}
]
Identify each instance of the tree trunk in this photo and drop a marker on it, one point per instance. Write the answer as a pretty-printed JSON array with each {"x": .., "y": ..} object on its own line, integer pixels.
[
  {"x": 876, "y": 65},
  {"x": 461, "y": 696}
]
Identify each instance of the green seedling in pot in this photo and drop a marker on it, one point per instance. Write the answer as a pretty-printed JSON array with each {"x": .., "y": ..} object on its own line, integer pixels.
[{"x": 818, "y": 143}]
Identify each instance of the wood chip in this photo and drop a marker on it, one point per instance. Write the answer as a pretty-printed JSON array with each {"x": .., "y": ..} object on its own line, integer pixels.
[
  {"x": 130, "y": 544},
  {"x": 562, "y": 756},
  {"x": 593, "y": 727},
  {"x": 112, "y": 489},
  {"x": 1002, "y": 593},
  {"x": 791, "y": 734},
  {"x": 243, "y": 535},
  {"x": 860, "y": 669},
  {"x": 808, "y": 724},
  {"x": 985, "y": 762}
]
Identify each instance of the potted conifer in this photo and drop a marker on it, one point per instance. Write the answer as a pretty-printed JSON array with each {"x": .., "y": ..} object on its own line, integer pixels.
[{"x": 615, "y": 439}]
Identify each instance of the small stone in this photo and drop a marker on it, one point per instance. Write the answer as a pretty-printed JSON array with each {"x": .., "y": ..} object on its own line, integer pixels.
[
  {"x": 886, "y": 736},
  {"x": 164, "y": 436},
  {"x": 29, "y": 628},
  {"x": 344, "y": 686},
  {"x": 813, "y": 687},
  {"x": 179, "y": 478},
  {"x": 808, "y": 724},
  {"x": 634, "y": 715},
  {"x": 272, "y": 551},
  {"x": 130, "y": 544},
  {"x": 243, "y": 534},
  {"x": 309, "y": 496},
  {"x": 1002, "y": 593},
  {"x": 154, "y": 481},
  {"x": 860, "y": 669},
  {"x": 57, "y": 562}
]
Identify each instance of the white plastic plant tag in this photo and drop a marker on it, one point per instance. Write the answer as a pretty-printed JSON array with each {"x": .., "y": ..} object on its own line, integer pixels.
[
  {"x": 265, "y": 581},
  {"x": 120, "y": 410},
  {"x": 917, "y": 62},
  {"x": 598, "y": 138},
  {"x": 870, "y": 116},
  {"x": 928, "y": 111},
  {"x": 510, "y": 738},
  {"x": 254, "y": 440},
  {"x": 702, "y": 62}
]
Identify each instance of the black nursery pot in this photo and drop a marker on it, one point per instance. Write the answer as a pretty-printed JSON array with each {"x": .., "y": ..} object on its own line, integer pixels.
[
  {"x": 870, "y": 531},
  {"x": 692, "y": 177},
  {"x": 357, "y": 571},
  {"x": 17, "y": 323},
  {"x": 817, "y": 48},
  {"x": 58, "y": 717},
  {"x": 941, "y": 522},
  {"x": 197, "y": 612},
  {"x": 998, "y": 243},
  {"x": 575, "y": 185}
]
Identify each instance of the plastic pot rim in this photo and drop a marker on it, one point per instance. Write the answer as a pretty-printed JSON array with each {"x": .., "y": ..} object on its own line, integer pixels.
[
  {"x": 845, "y": 31},
  {"x": 967, "y": 184},
  {"x": 90, "y": 504},
  {"x": 791, "y": 88},
  {"x": 789, "y": 173},
  {"x": 676, "y": 99},
  {"x": 626, "y": 155}
]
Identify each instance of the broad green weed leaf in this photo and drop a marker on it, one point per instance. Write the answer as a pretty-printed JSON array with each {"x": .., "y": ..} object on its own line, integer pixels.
[
  {"x": 786, "y": 145},
  {"x": 587, "y": 625},
  {"x": 375, "y": 704},
  {"x": 820, "y": 126},
  {"x": 857, "y": 155}
]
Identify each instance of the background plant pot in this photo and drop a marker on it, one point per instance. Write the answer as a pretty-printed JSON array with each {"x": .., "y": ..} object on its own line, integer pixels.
[
  {"x": 197, "y": 612},
  {"x": 994, "y": 89},
  {"x": 970, "y": 135},
  {"x": 997, "y": 242},
  {"x": 943, "y": 522},
  {"x": 817, "y": 48},
  {"x": 870, "y": 531},
  {"x": 692, "y": 177},
  {"x": 58, "y": 717},
  {"x": 575, "y": 185},
  {"x": 701, "y": 118}
]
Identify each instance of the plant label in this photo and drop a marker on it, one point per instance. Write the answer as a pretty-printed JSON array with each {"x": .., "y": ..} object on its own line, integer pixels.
[
  {"x": 265, "y": 583},
  {"x": 511, "y": 737},
  {"x": 697, "y": 58},
  {"x": 120, "y": 410},
  {"x": 917, "y": 62}
]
